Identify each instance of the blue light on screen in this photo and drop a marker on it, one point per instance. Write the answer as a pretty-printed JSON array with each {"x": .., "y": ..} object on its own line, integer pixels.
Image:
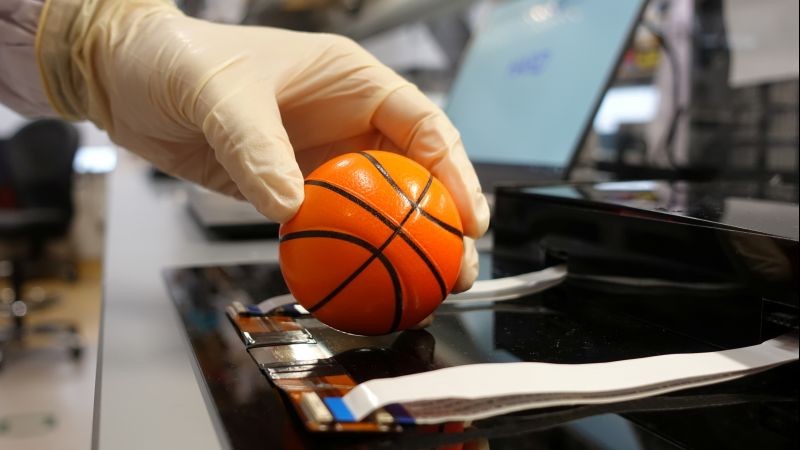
[{"x": 531, "y": 79}]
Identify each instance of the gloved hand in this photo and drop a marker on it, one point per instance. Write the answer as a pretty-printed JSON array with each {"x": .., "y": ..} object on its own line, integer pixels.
[{"x": 243, "y": 110}]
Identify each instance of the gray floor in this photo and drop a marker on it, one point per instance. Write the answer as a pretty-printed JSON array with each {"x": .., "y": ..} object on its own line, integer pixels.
[{"x": 46, "y": 398}]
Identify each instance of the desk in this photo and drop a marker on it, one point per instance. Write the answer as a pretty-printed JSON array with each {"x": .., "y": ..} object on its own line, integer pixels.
[{"x": 147, "y": 395}]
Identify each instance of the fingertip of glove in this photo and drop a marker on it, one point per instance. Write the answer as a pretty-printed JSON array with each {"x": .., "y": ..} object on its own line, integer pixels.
[
  {"x": 469, "y": 267},
  {"x": 424, "y": 323},
  {"x": 482, "y": 215},
  {"x": 280, "y": 203}
]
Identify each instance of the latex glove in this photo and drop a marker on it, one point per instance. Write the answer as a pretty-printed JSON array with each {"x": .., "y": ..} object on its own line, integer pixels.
[{"x": 243, "y": 110}]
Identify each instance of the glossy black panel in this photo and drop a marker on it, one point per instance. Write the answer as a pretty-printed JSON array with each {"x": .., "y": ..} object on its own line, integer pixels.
[
  {"x": 563, "y": 325},
  {"x": 715, "y": 261},
  {"x": 761, "y": 207}
]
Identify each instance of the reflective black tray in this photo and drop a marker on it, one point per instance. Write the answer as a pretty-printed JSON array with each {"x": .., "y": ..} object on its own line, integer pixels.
[{"x": 563, "y": 325}]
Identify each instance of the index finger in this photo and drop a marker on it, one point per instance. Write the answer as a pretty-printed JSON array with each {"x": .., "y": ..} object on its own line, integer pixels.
[{"x": 422, "y": 131}]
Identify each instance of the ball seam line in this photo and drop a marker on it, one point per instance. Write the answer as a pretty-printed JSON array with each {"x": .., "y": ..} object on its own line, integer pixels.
[
  {"x": 398, "y": 307},
  {"x": 398, "y": 311},
  {"x": 353, "y": 198},
  {"x": 389, "y": 223},
  {"x": 376, "y": 253},
  {"x": 396, "y": 187}
]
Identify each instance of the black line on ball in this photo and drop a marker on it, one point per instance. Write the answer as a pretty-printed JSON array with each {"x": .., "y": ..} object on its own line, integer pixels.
[
  {"x": 449, "y": 228},
  {"x": 378, "y": 253},
  {"x": 331, "y": 187},
  {"x": 375, "y": 253},
  {"x": 428, "y": 263},
  {"x": 398, "y": 310},
  {"x": 386, "y": 176},
  {"x": 390, "y": 224}
]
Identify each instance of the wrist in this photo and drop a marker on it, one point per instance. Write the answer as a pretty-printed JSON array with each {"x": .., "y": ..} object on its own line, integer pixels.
[
  {"x": 67, "y": 49},
  {"x": 20, "y": 87}
]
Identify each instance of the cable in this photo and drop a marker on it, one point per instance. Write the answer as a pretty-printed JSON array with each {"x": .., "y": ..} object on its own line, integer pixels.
[{"x": 667, "y": 143}]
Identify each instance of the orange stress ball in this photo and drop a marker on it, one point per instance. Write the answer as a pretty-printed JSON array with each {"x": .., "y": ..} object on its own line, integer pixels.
[{"x": 376, "y": 245}]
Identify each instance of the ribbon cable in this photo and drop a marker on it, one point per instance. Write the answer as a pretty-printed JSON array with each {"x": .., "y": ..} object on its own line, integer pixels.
[
  {"x": 483, "y": 291},
  {"x": 478, "y": 391}
]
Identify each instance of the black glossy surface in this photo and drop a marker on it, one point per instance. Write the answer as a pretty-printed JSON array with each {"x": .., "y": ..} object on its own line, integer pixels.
[
  {"x": 564, "y": 325},
  {"x": 717, "y": 261},
  {"x": 756, "y": 206}
]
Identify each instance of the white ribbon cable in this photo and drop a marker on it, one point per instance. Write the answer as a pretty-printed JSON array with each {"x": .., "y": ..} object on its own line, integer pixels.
[
  {"x": 510, "y": 288},
  {"x": 482, "y": 291},
  {"x": 276, "y": 302},
  {"x": 478, "y": 391}
]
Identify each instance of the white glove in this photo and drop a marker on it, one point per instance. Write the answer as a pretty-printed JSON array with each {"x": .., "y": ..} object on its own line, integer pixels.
[{"x": 243, "y": 110}]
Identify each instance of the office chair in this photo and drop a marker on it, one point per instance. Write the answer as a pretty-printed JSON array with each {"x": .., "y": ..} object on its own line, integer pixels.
[{"x": 38, "y": 161}]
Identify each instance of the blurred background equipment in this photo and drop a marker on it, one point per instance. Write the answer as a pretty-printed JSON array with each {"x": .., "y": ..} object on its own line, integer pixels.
[
  {"x": 705, "y": 89},
  {"x": 721, "y": 113},
  {"x": 38, "y": 161},
  {"x": 530, "y": 84},
  {"x": 223, "y": 217},
  {"x": 94, "y": 159},
  {"x": 47, "y": 394}
]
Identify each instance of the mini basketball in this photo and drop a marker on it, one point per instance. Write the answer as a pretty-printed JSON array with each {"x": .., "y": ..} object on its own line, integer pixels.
[{"x": 376, "y": 245}]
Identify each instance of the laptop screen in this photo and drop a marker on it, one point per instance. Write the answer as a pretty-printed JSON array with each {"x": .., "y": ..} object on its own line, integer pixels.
[{"x": 532, "y": 80}]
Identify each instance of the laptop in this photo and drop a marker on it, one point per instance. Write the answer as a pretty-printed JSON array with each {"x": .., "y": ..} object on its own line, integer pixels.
[
  {"x": 226, "y": 218},
  {"x": 523, "y": 100},
  {"x": 531, "y": 82}
]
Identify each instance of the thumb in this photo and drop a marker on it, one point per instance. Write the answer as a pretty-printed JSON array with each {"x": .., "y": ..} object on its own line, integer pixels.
[{"x": 249, "y": 141}]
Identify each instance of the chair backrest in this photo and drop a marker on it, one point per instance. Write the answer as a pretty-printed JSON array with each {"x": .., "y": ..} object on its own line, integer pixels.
[
  {"x": 40, "y": 157},
  {"x": 6, "y": 190}
]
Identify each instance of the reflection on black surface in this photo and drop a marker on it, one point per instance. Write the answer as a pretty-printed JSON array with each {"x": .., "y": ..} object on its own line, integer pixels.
[
  {"x": 719, "y": 262},
  {"x": 562, "y": 325},
  {"x": 733, "y": 204},
  {"x": 411, "y": 352}
]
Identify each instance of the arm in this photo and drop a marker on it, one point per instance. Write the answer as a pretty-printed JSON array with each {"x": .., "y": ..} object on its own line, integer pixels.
[
  {"x": 243, "y": 110},
  {"x": 20, "y": 85}
]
